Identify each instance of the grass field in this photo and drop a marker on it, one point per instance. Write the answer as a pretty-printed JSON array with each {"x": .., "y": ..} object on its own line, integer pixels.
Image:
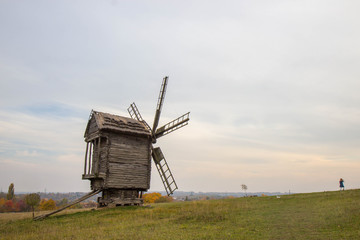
[{"x": 326, "y": 215}]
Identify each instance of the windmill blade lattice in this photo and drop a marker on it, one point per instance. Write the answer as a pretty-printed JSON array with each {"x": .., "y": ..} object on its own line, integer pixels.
[
  {"x": 160, "y": 103},
  {"x": 135, "y": 114},
  {"x": 161, "y": 164},
  {"x": 164, "y": 171},
  {"x": 173, "y": 125}
]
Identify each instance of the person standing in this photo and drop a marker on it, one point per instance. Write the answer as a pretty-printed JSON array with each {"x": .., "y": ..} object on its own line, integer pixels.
[{"x": 341, "y": 182}]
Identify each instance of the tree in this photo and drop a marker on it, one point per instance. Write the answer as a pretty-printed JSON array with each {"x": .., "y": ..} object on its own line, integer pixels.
[
  {"x": 20, "y": 206},
  {"x": 2, "y": 204},
  {"x": 32, "y": 200},
  {"x": 47, "y": 204},
  {"x": 63, "y": 202},
  {"x": 244, "y": 188},
  {"x": 9, "y": 206},
  {"x": 151, "y": 197},
  {"x": 10, "y": 195}
]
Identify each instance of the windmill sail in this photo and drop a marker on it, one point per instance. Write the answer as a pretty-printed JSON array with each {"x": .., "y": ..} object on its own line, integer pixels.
[
  {"x": 135, "y": 114},
  {"x": 156, "y": 153},
  {"x": 160, "y": 103},
  {"x": 164, "y": 171},
  {"x": 173, "y": 125}
]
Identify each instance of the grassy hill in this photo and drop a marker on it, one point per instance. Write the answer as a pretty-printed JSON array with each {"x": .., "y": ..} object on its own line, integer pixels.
[{"x": 326, "y": 215}]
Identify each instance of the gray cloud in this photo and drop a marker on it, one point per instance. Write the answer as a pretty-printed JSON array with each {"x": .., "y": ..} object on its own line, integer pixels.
[{"x": 271, "y": 86}]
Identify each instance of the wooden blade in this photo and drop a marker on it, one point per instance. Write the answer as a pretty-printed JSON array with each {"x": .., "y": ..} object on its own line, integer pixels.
[
  {"x": 135, "y": 114},
  {"x": 173, "y": 125},
  {"x": 164, "y": 171},
  {"x": 160, "y": 103}
]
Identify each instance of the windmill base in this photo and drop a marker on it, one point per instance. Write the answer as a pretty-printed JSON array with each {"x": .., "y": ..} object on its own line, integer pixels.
[{"x": 120, "y": 197}]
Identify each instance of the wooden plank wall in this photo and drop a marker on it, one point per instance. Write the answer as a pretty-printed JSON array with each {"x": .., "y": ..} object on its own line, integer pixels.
[
  {"x": 129, "y": 163},
  {"x": 104, "y": 155},
  {"x": 93, "y": 128}
]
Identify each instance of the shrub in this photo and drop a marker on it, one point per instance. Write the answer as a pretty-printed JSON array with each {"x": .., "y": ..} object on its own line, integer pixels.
[
  {"x": 21, "y": 206},
  {"x": 164, "y": 199},
  {"x": 9, "y": 206},
  {"x": 47, "y": 204},
  {"x": 151, "y": 197}
]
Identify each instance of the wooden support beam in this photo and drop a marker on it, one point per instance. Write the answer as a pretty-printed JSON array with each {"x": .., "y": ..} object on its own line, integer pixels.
[
  {"x": 90, "y": 194},
  {"x": 86, "y": 154},
  {"x": 90, "y": 157},
  {"x": 98, "y": 157}
]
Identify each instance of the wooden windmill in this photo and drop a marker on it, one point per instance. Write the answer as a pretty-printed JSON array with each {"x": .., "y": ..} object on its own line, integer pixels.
[{"x": 119, "y": 151}]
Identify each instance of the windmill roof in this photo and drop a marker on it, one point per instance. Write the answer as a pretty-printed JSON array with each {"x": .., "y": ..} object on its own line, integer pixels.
[{"x": 111, "y": 122}]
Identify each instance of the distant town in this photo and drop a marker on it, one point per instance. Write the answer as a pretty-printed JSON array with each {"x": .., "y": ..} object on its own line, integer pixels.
[{"x": 177, "y": 196}]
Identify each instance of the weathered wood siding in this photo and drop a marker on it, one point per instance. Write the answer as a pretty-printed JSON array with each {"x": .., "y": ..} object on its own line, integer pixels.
[
  {"x": 104, "y": 156},
  {"x": 92, "y": 129},
  {"x": 123, "y": 157},
  {"x": 129, "y": 162}
]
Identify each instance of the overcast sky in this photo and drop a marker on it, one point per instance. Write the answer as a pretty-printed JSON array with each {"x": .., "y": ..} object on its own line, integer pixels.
[{"x": 272, "y": 86}]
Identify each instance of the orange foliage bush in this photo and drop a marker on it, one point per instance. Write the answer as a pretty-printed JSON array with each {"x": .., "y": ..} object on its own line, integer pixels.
[
  {"x": 2, "y": 204},
  {"x": 12, "y": 205},
  {"x": 9, "y": 206},
  {"x": 47, "y": 204},
  {"x": 151, "y": 197},
  {"x": 156, "y": 198}
]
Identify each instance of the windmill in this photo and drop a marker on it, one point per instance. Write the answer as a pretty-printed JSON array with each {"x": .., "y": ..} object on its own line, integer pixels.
[
  {"x": 118, "y": 155},
  {"x": 119, "y": 151}
]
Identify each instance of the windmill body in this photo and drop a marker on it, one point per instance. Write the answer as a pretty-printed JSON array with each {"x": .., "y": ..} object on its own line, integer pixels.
[
  {"x": 118, "y": 158},
  {"x": 119, "y": 151}
]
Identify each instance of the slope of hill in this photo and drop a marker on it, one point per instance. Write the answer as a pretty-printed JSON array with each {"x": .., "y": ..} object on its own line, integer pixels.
[{"x": 326, "y": 215}]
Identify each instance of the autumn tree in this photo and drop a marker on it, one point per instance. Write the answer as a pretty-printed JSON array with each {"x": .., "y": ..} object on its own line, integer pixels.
[
  {"x": 9, "y": 206},
  {"x": 63, "y": 202},
  {"x": 32, "y": 200},
  {"x": 151, "y": 197},
  {"x": 21, "y": 206},
  {"x": 11, "y": 192},
  {"x": 47, "y": 204},
  {"x": 2, "y": 204}
]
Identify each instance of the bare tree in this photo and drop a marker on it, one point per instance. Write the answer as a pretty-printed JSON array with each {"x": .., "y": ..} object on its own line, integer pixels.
[{"x": 244, "y": 188}]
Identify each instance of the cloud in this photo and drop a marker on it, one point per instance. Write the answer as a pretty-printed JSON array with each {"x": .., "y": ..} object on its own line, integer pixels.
[
  {"x": 35, "y": 177},
  {"x": 18, "y": 164},
  {"x": 70, "y": 158},
  {"x": 27, "y": 153},
  {"x": 272, "y": 87}
]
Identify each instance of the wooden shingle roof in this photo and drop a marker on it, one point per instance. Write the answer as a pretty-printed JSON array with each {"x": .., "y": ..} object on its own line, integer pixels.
[{"x": 111, "y": 122}]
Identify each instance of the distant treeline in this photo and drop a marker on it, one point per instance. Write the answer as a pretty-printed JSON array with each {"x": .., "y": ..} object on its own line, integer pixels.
[
  {"x": 50, "y": 200},
  {"x": 185, "y": 196},
  {"x": 18, "y": 202}
]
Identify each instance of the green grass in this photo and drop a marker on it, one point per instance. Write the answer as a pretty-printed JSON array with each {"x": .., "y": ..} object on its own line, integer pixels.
[{"x": 327, "y": 215}]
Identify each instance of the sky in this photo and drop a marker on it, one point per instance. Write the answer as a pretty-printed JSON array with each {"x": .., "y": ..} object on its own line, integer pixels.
[{"x": 272, "y": 87}]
